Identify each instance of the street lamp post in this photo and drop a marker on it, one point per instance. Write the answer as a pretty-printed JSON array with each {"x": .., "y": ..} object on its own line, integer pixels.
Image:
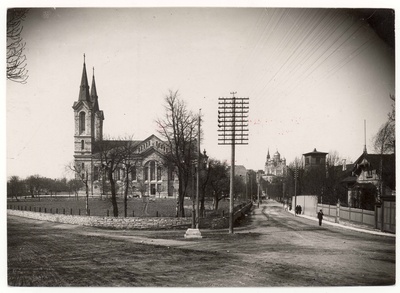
[
  {"x": 193, "y": 199},
  {"x": 195, "y": 232}
]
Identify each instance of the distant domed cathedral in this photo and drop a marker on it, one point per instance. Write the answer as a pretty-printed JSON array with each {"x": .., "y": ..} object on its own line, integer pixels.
[
  {"x": 148, "y": 174},
  {"x": 275, "y": 166}
]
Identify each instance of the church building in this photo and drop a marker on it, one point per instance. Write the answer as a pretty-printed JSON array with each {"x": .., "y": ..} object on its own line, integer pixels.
[
  {"x": 149, "y": 175},
  {"x": 274, "y": 167}
]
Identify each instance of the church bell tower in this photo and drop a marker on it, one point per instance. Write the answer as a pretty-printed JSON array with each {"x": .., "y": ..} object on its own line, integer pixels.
[{"x": 88, "y": 122}]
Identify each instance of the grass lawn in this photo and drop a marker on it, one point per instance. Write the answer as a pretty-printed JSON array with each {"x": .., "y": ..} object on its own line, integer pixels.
[{"x": 162, "y": 207}]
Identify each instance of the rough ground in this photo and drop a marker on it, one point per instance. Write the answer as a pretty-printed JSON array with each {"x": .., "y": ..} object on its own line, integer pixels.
[{"x": 273, "y": 248}]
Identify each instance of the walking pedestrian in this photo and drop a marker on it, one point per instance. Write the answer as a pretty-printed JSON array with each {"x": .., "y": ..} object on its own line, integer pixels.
[{"x": 320, "y": 217}]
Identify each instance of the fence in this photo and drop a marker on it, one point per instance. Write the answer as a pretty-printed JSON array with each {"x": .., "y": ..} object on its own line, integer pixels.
[
  {"x": 82, "y": 212},
  {"x": 339, "y": 213},
  {"x": 372, "y": 219},
  {"x": 386, "y": 213},
  {"x": 148, "y": 222}
]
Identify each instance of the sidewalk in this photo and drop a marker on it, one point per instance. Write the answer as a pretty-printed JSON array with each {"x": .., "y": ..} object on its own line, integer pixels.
[{"x": 347, "y": 225}]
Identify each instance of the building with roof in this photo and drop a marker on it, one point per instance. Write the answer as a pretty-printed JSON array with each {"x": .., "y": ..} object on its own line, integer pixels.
[
  {"x": 314, "y": 159},
  {"x": 374, "y": 178},
  {"x": 148, "y": 172},
  {"x": 274, "y": 167}
]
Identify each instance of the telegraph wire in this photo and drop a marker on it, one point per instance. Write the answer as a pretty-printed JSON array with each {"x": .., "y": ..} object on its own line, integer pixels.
[{"x": 330, "y": 48}]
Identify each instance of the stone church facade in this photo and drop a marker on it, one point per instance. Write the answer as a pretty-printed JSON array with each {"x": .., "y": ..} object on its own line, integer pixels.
[
  {"x": 274, "y": 167},
  {"x": 149, "y": 175}
]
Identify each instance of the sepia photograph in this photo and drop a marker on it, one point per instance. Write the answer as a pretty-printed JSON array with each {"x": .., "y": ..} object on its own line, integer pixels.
[{"x": 199, "y": 145}]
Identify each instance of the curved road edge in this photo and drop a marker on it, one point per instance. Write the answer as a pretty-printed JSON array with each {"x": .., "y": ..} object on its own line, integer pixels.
[{"x": 358, "y": 229}]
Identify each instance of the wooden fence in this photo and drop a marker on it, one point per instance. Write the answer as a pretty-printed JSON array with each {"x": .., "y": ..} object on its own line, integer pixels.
[{"x": 386, "y": 214}]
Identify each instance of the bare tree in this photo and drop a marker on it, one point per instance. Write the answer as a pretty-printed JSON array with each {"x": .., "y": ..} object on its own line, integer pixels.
[
  {"x": 384, "y": 141},
  {"x": 218, "y": 181},
  {"x": 35, "y": 184},
  {"x": 16, "y": 59},
  {"x": 116, "y": 155},
  {"x": 112, "y": 156},
  {"x": 179, "y": 129},
  {"x": 15, "y": 187},
  {"x": 81, "y": 171},
  {"x": 75, "y": 185},
  {"x": 129, "y": 160},
  {"x": 334, "y": 189}
]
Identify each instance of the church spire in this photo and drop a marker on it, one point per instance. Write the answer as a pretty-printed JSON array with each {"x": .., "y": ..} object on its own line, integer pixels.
[
  {"x": 268, "y": 156},
  {"x": 93, "y": 94},
  {"x": 84, "y": 88},
  {"x": 93, "y": 91}
]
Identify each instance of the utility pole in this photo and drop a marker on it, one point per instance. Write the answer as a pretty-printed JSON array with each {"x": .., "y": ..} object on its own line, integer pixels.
[{"x": 233, "y": 130}]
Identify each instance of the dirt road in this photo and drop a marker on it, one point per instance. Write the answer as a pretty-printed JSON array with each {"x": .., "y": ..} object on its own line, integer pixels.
[{"x": 273, "y": 248}]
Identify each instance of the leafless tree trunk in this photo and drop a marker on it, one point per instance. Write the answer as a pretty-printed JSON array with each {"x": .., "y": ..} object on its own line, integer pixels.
[
  {"x": 83, "y": 176},
  {"x": 114, "y": 155},
  {"x": 126, "y": 193}
]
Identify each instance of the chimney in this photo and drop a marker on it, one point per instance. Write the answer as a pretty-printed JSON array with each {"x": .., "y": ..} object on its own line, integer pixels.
[{"x": 344, "y": 165}]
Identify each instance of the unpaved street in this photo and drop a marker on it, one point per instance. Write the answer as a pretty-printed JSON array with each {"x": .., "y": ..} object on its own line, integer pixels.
[{"x": 273, "y": 248}]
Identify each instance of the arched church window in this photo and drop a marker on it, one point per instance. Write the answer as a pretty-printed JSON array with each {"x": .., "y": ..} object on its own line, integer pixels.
[{"x": 82, "y": 120}]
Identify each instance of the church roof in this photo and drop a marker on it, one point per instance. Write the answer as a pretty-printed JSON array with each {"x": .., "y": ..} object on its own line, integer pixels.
[{"x": 136, "y": 145}]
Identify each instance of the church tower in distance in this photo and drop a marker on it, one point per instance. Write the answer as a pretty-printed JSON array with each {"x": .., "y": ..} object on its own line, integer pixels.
[{"x": 88, "y": 123}]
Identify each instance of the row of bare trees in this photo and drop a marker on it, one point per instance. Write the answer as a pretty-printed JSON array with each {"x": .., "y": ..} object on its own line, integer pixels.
[{"x": 36, "y": 185}]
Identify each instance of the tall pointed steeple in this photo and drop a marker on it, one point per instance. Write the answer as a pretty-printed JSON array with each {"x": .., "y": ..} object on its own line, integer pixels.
[
  {"x": 268, "y": 156},
  {"x": 365, "y": 137},
  {"x": 93, "y": 94},
  {"x": 84, "y": 88}
]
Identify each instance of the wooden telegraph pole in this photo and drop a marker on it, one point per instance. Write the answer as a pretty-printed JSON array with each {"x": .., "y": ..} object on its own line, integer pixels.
[{"x": 232, "y": 130}]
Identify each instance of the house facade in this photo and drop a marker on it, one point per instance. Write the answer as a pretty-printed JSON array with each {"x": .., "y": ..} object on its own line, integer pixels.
[
  {"x": 148, "y": 173},
  {"x": 374, "y": 180}
]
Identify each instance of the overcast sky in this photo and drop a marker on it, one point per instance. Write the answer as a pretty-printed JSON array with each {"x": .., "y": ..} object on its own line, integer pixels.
[{"x": 311, "y": 75}]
